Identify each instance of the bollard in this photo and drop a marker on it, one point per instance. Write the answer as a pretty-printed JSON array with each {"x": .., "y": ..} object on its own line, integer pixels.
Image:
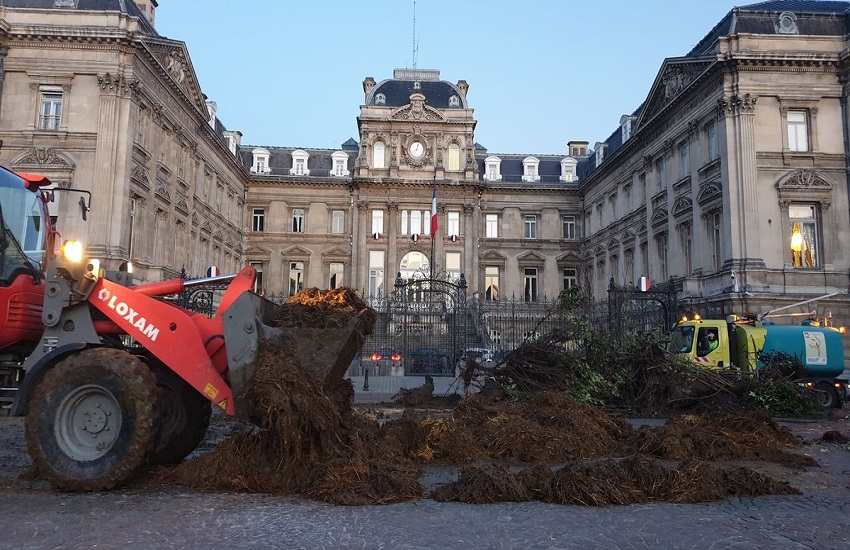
[{"x": 365, "y": 379}]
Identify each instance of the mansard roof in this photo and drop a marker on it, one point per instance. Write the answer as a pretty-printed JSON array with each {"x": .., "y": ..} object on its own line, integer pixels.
[
  {"x": 759, "y": 19},
  {"x": 124, "y": 6},
  {"x": 319, "y": 161},
  {"x": 397, "y": 90}
]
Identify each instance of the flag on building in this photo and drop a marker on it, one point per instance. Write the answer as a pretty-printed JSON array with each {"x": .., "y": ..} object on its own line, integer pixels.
[{"x": 434, "y": 211}]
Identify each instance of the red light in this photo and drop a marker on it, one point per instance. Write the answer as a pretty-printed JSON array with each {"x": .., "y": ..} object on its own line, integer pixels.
[
  {"x": 396, "y": 357},
  {"x": 376, "y": 357}
]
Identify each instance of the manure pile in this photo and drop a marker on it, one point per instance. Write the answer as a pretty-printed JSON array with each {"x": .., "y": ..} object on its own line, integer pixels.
[{"x": 312, "y": 442}]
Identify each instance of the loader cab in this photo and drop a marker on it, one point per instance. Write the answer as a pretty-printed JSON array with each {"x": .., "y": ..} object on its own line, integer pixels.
[
  {"x": 25, "y": 236},
  {"x": 24, "y": 226}
]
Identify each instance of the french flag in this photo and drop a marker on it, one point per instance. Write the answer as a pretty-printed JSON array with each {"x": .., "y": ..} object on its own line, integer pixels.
[{"x": 434, "y": 211}]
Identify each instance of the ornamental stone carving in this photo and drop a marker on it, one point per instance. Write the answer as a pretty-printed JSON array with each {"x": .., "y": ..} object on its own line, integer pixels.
[{"x": 737, "y": 104}]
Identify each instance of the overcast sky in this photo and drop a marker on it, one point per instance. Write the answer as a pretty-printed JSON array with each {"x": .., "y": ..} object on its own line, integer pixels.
[{"x": 540, "y": 72}]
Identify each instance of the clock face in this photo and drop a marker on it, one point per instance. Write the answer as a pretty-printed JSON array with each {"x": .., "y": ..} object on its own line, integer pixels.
[{"x": 417, "y": 149}]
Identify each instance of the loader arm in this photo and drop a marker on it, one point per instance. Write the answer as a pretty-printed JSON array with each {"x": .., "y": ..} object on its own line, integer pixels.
[{"x": 169, "y": 333}]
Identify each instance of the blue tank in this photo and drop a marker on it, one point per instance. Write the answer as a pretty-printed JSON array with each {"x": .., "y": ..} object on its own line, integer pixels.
[{"x": 820, "y": 349}]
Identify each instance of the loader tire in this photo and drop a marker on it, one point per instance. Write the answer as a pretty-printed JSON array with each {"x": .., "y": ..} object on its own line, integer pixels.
[
  {"x": 826, "y": 396},
  {"x": 92, "y": 420},
  {"x": 184, "y": 416}
]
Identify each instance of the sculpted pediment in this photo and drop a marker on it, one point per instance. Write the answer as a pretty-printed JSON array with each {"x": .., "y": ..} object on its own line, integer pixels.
[
  {"x": 336, "y": 252},
  {"x": 296, "y": 251},
  {"x": 530, "y": 256},
  {"x": 709, "y": 191},
  {"x": 682, "y": 205},
  {"x": 674, "y": 77},
  {"x": 173, "y": 58},
  {"x": 417, "y": 111},
  {"x": 257, "y": 251}
]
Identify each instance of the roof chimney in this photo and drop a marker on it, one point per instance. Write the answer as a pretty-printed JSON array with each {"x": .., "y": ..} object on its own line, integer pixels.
[
  {"x": 368, "y": 84},
  {"x": 463, "y": 87}
]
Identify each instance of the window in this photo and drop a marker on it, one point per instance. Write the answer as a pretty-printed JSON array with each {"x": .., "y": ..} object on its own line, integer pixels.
[
  {"x": 529, "y": 169},
  {"x": 426, "y": 225},
  {"x": 600, "y": 154},
  {"x": 258, "y": 220},
  {"x": 491, "y": 283},
  {"x": 530, "y": 290},
  {"x": 493, "y": 169},
  {"x": 258, "y": 281},
  {"x": 340, "y": 164},
  {"x": 453, "y": 270},
  {"x": 568, "y": 169},
  {"x": 804, "y": 235},
  {"x": 491, "y": 226},
  {"x": 530, "y": 227},
  {"x": 380, "y": 99},
  {"x": 296, "y": 277},
  {"x": 405, "y": 216},
  {"x": 661, "y": 246},
  {"x": 454, "y": 157},
  {"x": 453, "y": 223},
  {"x": 50, "y": 115},
  {"x": 626, "y": 129},
  {"x": 685, "y": 158},
  {"x": 716, "y": 244},
  {"x": 376, "y": 273},
  {"x": 798, "y": 133},
  {"x": 711, "y": 130},
  {"x": 454, "y": 101},
  {"x": 298, "y": 220},
  {"x": 261, "y": 161},
  {"x": 687, "y": 250},
  {"x": 336, "y": 275},
  {"x": 338, "y": 221},
  {"x": 661, "y": 169},
  {"x": 299, "y": 163},
  {"x": 570, "y": 275},
  {"x": 416, "y": 222},
  {"x": 569, "y": 227},
  {"x": 378, "y": 155},
  {"x": 377, "y": 221}
]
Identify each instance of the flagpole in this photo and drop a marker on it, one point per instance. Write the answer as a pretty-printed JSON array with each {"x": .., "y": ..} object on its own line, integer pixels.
[{"x": 433, "y": 225}]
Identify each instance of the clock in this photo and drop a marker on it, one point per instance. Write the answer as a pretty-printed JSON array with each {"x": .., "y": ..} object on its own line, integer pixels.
[{"x": 417, "y": 149}]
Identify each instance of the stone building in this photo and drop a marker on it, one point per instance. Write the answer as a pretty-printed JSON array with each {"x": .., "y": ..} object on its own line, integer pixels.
[
  {"x": 94, "y": 98},
  {"x": 360, "y": 215},
  {"x": 731, "y": 178}
]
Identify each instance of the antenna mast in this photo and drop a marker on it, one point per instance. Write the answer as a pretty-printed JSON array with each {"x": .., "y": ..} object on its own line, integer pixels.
[{"x": 415, "y": 43}]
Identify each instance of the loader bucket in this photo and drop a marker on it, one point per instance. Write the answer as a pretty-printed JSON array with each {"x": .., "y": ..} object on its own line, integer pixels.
[{"x": 323, "y": 354}]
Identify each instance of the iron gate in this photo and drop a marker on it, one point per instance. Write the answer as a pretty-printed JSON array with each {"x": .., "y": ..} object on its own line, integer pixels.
[{"x": 423, "y": 328}]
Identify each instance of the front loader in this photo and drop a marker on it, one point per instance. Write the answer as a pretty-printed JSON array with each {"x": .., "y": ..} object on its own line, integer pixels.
[{"x": 120, "y": 376}]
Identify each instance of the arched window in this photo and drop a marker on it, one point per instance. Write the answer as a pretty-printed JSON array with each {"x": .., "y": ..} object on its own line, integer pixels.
[
  {"x": 454, "y": 157},
  {"x": 378, "y": 155},
  {"x": 414, "y": 265}
]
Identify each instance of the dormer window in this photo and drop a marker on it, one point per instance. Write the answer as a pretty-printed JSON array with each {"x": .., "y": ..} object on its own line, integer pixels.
[
  {"x": 625, "y": 127},
  {"x": 568, "y": 169},
  {"x": 380, "y": 99},
  {"x": 600, "y": 153},
  {"x": 261, "y": 161},
  {"x": 492, "y": 169},
  {"x": 340, "y": 164},
  {"x": 299, "y": 163},
  {"x": 529, "y": 169},
  {"x": 212, "y": 111},
  {"x": 454, "y": 101}
]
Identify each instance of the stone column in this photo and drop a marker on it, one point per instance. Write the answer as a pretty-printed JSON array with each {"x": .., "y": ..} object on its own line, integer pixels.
[
  {"x": 469, "y": 266},
  {"x": 742, "y": 202}
]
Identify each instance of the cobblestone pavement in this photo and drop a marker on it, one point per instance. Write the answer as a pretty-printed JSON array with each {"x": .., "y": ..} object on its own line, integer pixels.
[
  {"x": 150, "y": 515},
  {"x": 195, "y": 520}
]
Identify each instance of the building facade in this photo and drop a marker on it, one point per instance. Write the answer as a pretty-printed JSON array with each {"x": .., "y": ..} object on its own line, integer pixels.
[
  {"x": 360, "y": 216},
  {"x": 96, "y": 100},
  {"x": 731, "y": 178}
]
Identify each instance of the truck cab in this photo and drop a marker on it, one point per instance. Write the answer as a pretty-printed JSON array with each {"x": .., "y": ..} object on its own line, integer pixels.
[{"x": 695, "y": 338}]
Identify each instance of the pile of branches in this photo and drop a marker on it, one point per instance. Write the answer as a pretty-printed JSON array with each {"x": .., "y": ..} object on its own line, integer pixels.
[{"x": 594, "y": 369}]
